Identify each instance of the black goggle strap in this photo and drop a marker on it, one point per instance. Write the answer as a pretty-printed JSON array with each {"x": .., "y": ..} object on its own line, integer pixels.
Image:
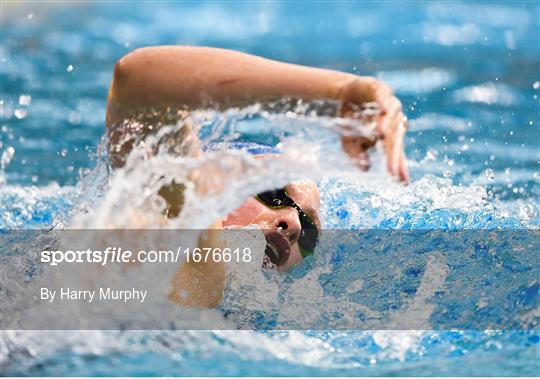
[{"x": 309, "y": 235}]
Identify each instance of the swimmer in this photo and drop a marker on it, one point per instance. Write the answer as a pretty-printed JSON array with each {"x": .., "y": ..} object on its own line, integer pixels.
[{"x": 186, "y": 78}]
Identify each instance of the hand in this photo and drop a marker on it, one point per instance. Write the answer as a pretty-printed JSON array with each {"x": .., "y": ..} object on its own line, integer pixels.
[{"x": 357, "y": 99}]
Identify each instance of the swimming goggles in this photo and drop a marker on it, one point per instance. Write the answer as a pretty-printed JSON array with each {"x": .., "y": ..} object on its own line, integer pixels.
[{"x": 309, "y": 235}]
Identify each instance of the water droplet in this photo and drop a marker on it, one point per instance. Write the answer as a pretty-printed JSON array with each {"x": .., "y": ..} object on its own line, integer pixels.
[
  {"x": 25, "y": 100},
  {"x": 69, "y": 68},
  {"x": 482, "y": 303},
  {"x": 63, "y": 152},
  {"x": 489, "y": 174},
  {"x": 7, "y": 155},
  {"x": 450, "y": 162},
  {"x": 70, "y": 168},
  {"x": 74, "y": 118},
  {"x": 34, "y": 178},
  {"x": 465, "y": 147},
  {"x": 342, "y": 213},
  {"x": 432, "y": 154},
  {"x": 20, "y": 113},
  {"x": 536, "y": 85},
  {"x": 526, "y": 211},
  {"x": 375, "y": 201},
  {"x": 30, "y": 16}
]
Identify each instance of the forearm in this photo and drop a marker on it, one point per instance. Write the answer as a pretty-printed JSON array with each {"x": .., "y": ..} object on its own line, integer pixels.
[{"x": 194, "y": 77}]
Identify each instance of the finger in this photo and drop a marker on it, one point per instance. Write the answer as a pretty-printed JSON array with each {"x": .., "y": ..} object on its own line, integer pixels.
[
  {"x": 394, "y": 142},
  {"x": 355, "y": 149},
  {"x": 393, "y": 107},
  {"x": 381, "y": 92},
  {"x": 397, "y": 148},
  {"x": 403, "y": 168}
]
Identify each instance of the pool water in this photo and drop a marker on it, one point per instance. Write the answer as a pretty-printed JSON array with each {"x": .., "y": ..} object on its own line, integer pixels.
[{"x": 468, "y": 77}]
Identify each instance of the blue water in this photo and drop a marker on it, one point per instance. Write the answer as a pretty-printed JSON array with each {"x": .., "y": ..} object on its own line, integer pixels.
[{"x": 468, "y": 74}]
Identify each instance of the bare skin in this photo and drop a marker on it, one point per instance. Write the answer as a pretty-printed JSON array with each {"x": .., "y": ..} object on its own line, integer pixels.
[
  {"x": 198, "y": 77},
  {"x": 183, "y": 77}
]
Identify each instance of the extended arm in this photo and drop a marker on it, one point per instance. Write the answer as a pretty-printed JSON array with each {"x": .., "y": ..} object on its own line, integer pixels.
[
  {"x": 196, "y": 77},
  {"x": 199, "y": 76}
]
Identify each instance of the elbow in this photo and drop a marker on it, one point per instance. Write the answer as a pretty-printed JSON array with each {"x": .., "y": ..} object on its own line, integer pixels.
[
  {"x": 119, "y": 90},
  {"x": 123, "y": 70}
]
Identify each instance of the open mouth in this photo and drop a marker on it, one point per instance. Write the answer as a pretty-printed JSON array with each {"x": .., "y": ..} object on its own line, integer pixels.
[{"x": 278, "y": 248}]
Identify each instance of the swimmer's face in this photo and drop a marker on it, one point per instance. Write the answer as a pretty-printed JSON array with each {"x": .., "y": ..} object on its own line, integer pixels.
[{"x": 281, "y": 225}]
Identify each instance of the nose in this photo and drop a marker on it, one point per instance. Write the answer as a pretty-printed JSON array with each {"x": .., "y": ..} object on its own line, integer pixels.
[{"x": 289, "y": 225}]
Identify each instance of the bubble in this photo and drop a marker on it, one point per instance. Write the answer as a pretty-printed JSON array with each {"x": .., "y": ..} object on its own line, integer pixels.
[
  {"x": 489, "y": 174},
  {"x": 20, "y": 113},
  {"x": 63, "y": 152},
  {"x": 536, "y": 85},
  {"x": 69, "y": 68},
  {"x": 34, "y": 178},
  {"x": 25, "y": 100}
]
